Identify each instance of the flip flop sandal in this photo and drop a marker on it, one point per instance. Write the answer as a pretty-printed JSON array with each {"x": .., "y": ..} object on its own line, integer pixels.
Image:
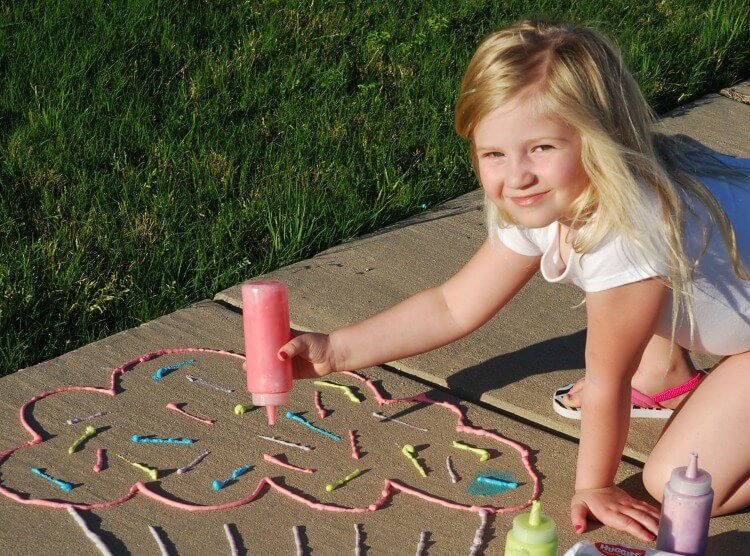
[
  {"x": 562, "y": 409},
  {"x": 644, "y": 406}
]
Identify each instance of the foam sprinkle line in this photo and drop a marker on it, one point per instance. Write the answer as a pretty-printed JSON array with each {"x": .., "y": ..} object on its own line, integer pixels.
[
  {"x": 152, "y": 472},
  {"x": 494, "y": 481},
  {"x": 353, "y": 441},
  {"x": 236, "y": 474},
  {"x": 240, "y": 409},
  {"x": 190, "y": 466},
  {"x": 158, "y": 440},
  {"x": 164, "y": 371},
  {"x": 99, "y": 465},
  {"x": 271, "y": 459},
  {"x": 65, "y": 485},
  {"x": 77, "y": 420},
  {"x": 383, "y": 417},
  {"x": 411, "y": 453},
  {"x": 286, "y": 443},
  {"x": 233, "y": 550},
  {"x": 299, "y": 545},
  {"x": 199, "y": 380},
  {"x": 422, "y": 545},
  {"x": 93, "y": 537},
  {"x": 478, "y": 541},
  {"x": 89, "y": 433},
  {"x": 451, "y": 471},
  {"x": 308, "y": 424},
  {"x": 484, "y": 455},
  {"x": 174, "y": 407},
  {"x": 353, "y": 475},
  {"x": 319, "y": 404},
  {"x": 345, "y": 389},
  {"x": 159, "y": 541},
  {"x": 358, "y": 542}
]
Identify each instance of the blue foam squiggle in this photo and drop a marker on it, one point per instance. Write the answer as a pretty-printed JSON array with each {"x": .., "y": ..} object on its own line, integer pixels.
[
  {"x": 308, "y": 424},
  {"x": 490, "y": 482},
  {"x": 237, "y": 473},
  {"x": 164, "y": 371}
]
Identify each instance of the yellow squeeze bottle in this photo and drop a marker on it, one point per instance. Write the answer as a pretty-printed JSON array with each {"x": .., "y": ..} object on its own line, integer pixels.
[{"x": 533, "y": 534}]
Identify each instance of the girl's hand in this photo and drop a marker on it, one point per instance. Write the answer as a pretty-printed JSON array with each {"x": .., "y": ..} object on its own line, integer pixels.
[
  {"x": 311, "y": 355},
  {"x": 615, "y": 508}
]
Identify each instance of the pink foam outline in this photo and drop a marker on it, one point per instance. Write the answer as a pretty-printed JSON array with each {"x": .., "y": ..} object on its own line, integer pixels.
[{"x": 390, "y": 488}]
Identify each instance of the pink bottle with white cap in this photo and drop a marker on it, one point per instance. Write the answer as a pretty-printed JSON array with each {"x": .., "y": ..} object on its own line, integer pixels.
[
  {"x": 686, "y": 510},
  {"x": 265, "y": 319}
]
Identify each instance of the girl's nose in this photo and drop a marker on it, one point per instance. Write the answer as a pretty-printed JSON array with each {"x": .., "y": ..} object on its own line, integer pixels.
[{"x": 520, "y": 174}]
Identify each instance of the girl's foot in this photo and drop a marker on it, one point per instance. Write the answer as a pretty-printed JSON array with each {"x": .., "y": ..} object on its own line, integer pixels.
[
  {"x": 573, "y": 397},
  {"x": 650, "y": 379}
]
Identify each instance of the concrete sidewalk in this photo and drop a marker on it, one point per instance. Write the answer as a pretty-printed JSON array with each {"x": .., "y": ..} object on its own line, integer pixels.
[{"x": 511, "y": 366}]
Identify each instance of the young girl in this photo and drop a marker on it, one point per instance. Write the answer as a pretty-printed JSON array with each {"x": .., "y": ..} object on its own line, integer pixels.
[{"x": 579, "y": 186}]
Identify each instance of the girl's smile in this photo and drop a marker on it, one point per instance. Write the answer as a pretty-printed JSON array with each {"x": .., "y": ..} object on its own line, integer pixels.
[
  {"x": 528, "y": 200},
  {"x": 529, "y": 164}
]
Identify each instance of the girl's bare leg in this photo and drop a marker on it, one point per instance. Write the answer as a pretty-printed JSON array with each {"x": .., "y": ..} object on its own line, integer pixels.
[
  {"x": 662, "y": 366},
  {"x": 713, "y": 421}
]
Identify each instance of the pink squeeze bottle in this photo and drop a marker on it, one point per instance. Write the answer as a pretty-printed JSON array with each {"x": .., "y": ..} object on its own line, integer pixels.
[
  {"x": 686, "y": 510},
  {"x": 265, "y": 319}
]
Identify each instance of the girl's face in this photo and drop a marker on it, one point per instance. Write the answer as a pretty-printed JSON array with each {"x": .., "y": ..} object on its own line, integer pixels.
[{"x": 529, "y": 164}]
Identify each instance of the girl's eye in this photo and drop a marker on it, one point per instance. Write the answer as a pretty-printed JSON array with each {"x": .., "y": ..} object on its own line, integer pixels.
[
  {"x": 494, "y": 154},
  {"x": 543, "y": 148}
]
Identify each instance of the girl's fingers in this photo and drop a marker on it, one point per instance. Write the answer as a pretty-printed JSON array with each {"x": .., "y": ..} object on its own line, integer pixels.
[
  {"x": 638, "y": 530},
  {"x": 615, "y": 509},
  {"x": 646, "y": 518},
  {"x": 647, "y": 509},
  {"x": 578, "y": 514},
  {"x": 308, "y": 353},
  {"x": 646, "y": 522},
  {"x": 637, "y": 522},
  {"x": 288, "y": 350},
  {"x": 294, "y": 347},
  {"x": 654, "y": 512}
]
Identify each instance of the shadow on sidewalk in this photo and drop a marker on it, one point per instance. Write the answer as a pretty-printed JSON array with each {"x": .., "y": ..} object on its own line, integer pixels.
[{"x": 556, "y": 354}]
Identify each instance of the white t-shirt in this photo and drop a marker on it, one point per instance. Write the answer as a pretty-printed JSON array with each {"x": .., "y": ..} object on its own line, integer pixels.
[{"x": 720, "y": 299}]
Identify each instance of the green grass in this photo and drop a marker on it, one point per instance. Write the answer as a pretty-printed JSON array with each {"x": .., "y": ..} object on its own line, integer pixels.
[{"x": 154, "y": 152}]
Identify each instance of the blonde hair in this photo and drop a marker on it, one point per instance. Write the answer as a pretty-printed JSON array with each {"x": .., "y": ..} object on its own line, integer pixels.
[{"x": 579, "y": 76}]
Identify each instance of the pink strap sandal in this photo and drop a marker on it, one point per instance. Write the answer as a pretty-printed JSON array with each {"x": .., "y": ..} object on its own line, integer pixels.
[{"x": 644, "y": 406}]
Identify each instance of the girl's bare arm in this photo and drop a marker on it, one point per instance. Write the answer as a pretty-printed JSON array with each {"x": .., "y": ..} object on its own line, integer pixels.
[
  {"x": 425, "y": 321},
  {"x": 621, "y": 321}
]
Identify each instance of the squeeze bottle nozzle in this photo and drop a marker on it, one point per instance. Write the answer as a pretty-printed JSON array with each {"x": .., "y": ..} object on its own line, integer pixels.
[
  {"x": 692, "y": 469},
  {"x": 690, "y": 480},
  {"x": 533, "y": 534},
  {"x": 535, "y": 515}
]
